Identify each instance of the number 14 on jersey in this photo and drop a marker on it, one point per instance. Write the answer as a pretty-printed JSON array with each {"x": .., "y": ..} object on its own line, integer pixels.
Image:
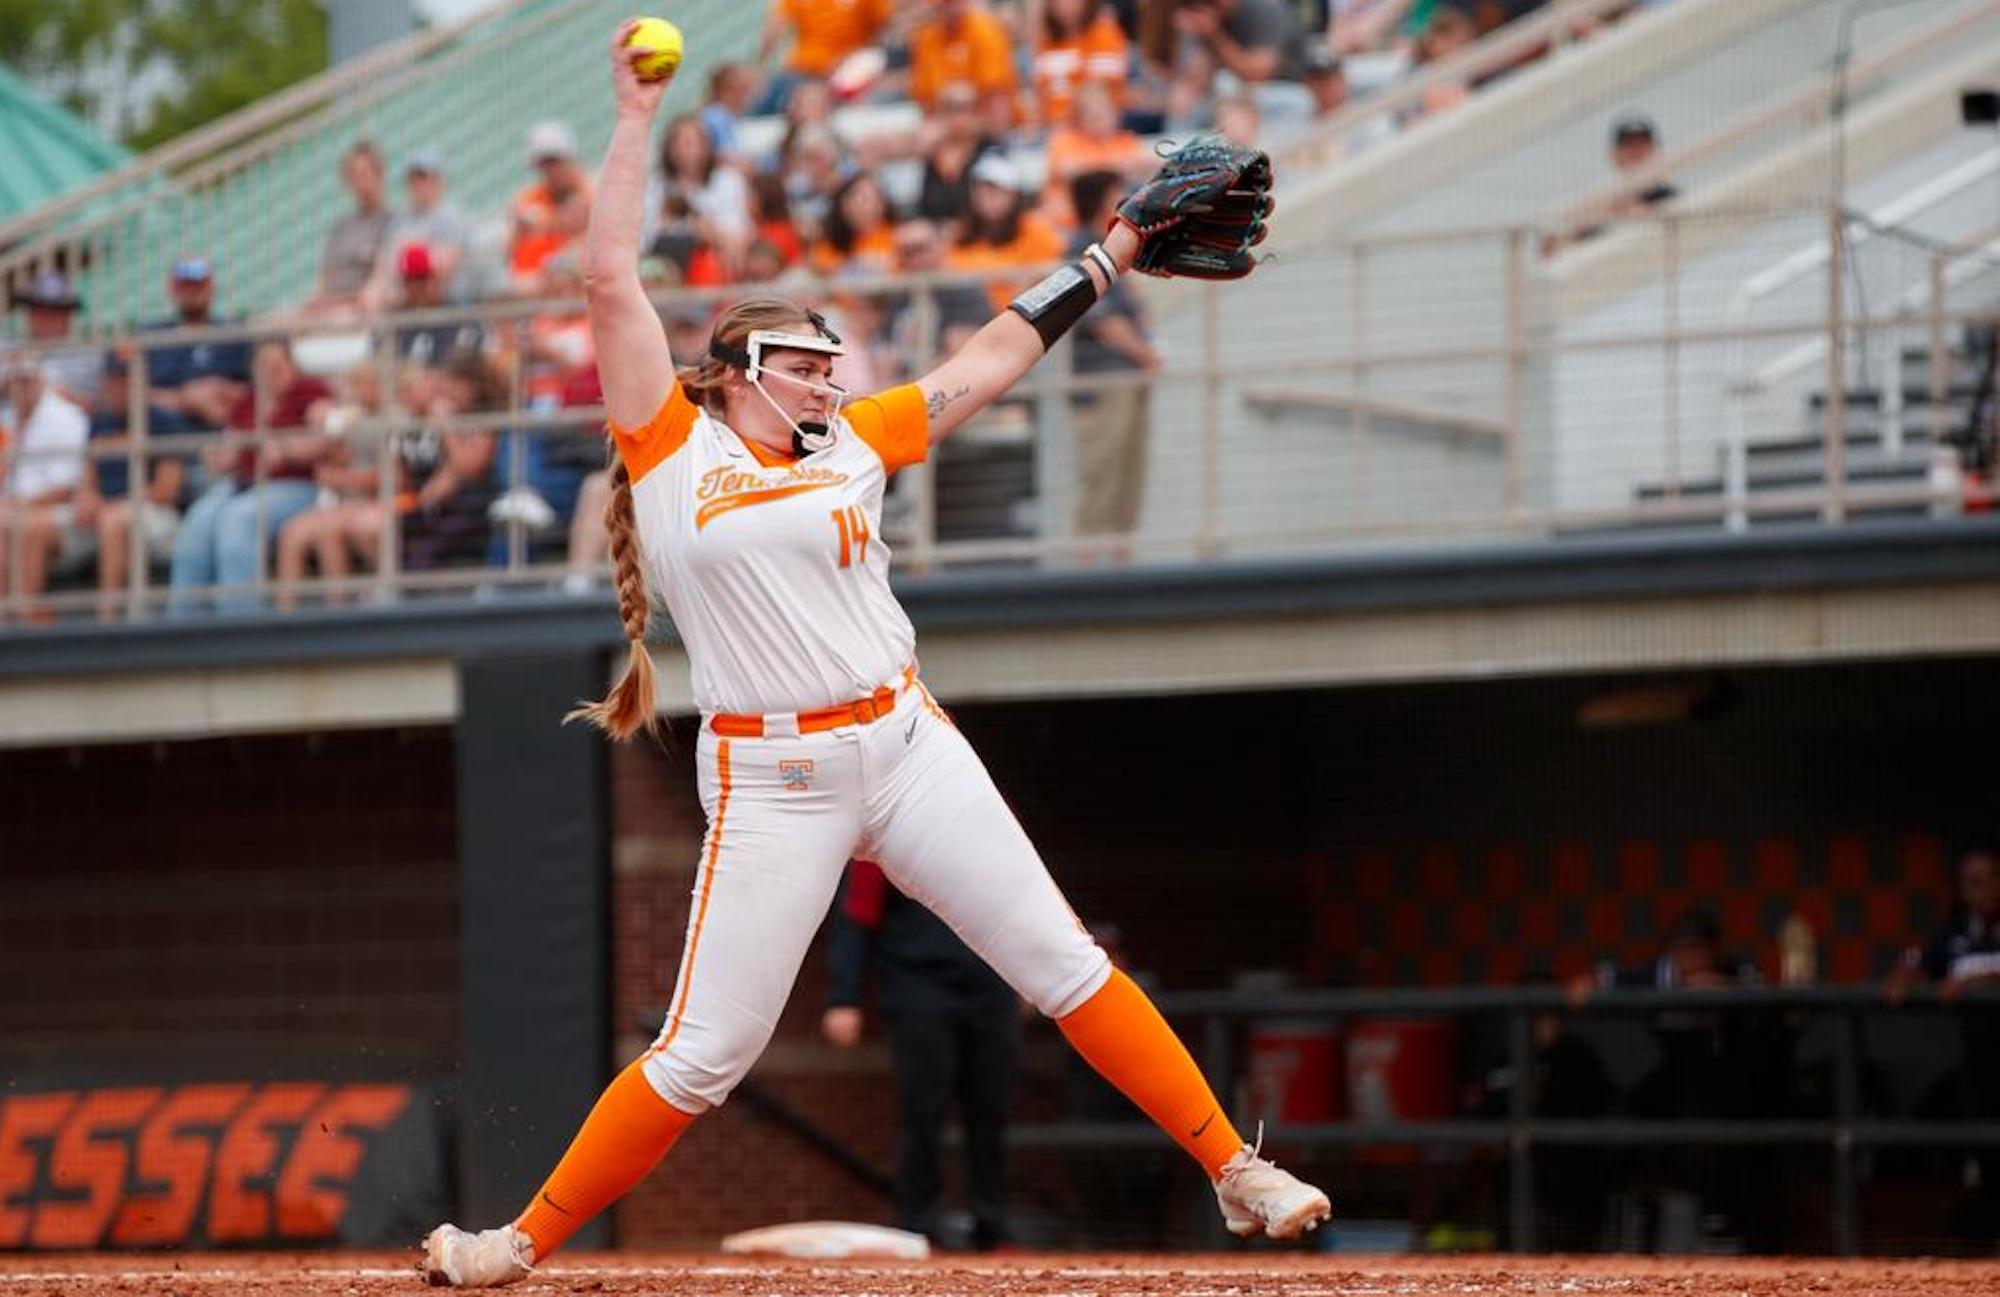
[{"x": 852, "y": 523}]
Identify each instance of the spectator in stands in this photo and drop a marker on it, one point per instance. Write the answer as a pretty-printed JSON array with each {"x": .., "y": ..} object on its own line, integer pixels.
[
  {"x": 433, "y": 222},
  {"x": 698, "y": 202},
  {"x": 1325, "y": 78},
  {"x": 1002, "y": 231},
  {"x": 1451, "y": 28},
  {"x": 101, "y": 525},
  {"x": 257, "y": 489},
  {"x": 1252, "y": 40},
  {"x": 200, "y": 380},
  {"x": 1111, "y": 421},
  {"x": 1635, "y": 147},
  {"x": 1238, "y": 120},
  {"x": 420, "y": 286},
  {"x": 1155, "y": 52},
  {"x": 858, "y": 237},
  {"x": 560, "y": 344},
  {"x": 811, "y": 104},
  {"x": 957, "y": 310},
  {"x": 1364, "y": 26},
  {"x": 1092, "y": 140},
  {"x": 551, "y": 212},
  {"x": 954, "y": 1030},
  {"x": 961, "y": 40},
  {"x": 42, "y": 441},
  {"x": 731, "y": 88},
  {"x": 354, "y": 244},
  {"x": 1079, "y": 44},
  {"x": 50, "y": 304},
  {"x": 1963, "y": 955},
  {"x": 824, "y": 32},
  {"x": 954, "y": 138},
  {"x": 771, "y": 216},
  {"x": 815, "y": 166},
  {"x": 444, "y": 483},
  {"x": 763, "y": 263}
]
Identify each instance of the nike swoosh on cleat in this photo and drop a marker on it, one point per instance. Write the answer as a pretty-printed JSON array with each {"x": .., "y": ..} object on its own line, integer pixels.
[
  {"x": 1193, "y": 1134},
  {"x": 912, "y": 729},
  {"x": 553, "y": 1203}
]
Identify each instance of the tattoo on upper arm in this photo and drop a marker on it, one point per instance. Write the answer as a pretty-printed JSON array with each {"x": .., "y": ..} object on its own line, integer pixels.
[{"x": 940, "y": 401}]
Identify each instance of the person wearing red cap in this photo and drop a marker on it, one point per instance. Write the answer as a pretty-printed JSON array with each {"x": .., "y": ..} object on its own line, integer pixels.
[
  {"x": 436, "y": 222},
  {"x": 420, "y": 286}
]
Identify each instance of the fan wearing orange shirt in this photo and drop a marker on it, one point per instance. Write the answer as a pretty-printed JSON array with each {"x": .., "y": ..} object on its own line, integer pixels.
[
  {"x": 1092, "y": 140},
  {"x": 824, "y": 32},
  {"x": 859, "y": 235},
  {"x": 1079, "y": 44},
  {"x": 961, "y": 41},
  {"x": 1002, "y": 232}
]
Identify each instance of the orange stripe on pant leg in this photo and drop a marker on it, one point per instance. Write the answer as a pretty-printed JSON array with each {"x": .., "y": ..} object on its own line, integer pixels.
[{"x": 701, "y": 907}]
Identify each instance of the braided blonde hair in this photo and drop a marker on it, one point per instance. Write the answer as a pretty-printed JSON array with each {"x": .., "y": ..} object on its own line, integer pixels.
[{"x": 629, "y": 707}]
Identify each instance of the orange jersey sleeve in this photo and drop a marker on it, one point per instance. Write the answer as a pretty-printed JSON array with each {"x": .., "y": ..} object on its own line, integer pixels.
[
  {"x": 646, "y": 447},
  {"x": 894, "y": 423}
]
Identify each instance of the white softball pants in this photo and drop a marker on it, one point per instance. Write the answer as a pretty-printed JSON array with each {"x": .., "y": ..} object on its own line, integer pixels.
[{"x": 784, "y": 817}]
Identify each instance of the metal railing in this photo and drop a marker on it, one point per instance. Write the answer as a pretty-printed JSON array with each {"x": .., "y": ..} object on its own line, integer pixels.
[
  {"x": 1847, "y": 1132},
  {"x": 1411, "y": 390},
  {"x": 1547, "y": 31}
]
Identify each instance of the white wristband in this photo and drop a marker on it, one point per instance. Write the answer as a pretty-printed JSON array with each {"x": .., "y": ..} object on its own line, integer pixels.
[{"x": 1104, "y": 262}]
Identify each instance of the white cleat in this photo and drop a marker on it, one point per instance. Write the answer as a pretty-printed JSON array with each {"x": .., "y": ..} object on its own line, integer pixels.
[
  {"x": 488, "y": 1259},
  {"x": 1257, "y": 1198}
]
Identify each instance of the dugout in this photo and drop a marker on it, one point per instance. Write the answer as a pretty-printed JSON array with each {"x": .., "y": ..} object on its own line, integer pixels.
[{"x": 362, "y": 838}]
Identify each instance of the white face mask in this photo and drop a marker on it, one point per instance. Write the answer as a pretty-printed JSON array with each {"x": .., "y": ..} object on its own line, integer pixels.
[{"x": 807, "y": 438}]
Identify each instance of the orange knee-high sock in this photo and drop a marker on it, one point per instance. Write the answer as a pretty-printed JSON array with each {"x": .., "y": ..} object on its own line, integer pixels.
[
  {"x": 1124, "y": 1037},
  {"x": 625, "y": 1136}
]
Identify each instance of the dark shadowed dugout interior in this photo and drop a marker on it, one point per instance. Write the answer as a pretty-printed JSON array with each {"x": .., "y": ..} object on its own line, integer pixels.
[{"x": 290, "y": 905}]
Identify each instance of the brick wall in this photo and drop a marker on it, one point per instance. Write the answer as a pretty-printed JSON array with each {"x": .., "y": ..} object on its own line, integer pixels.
[{"x": 257, "y": 898}]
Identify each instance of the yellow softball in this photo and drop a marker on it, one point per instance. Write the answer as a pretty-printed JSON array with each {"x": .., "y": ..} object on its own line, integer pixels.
[{"x": 656, "y": 47}]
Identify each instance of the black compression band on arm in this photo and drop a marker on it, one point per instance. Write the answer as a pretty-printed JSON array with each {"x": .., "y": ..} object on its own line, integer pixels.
[{"x": 1057, "y": 302}]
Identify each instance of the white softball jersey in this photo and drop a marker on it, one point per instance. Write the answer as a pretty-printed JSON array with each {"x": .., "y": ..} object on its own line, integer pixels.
[
  {"x": 775, "y": 573},
  {"x": 778, "y": 584}
]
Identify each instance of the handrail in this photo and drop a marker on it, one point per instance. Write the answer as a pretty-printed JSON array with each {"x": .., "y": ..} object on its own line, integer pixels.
[
  {"x": 1855, "y": 229},
  {"x": 1498, "y": 49},
  {"x": 1810, "y": 101},
  {"x": 1447, "y": 380},
  {"x": 1517, "y": 1130},
  {"x": 1966, "y": 264},
  {"x": 247, "y": 122},
  {"x": 1864, "y": 227}
]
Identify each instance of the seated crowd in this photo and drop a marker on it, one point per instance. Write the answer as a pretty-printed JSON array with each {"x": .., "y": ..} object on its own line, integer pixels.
[{"x": 1023, "y": 110}]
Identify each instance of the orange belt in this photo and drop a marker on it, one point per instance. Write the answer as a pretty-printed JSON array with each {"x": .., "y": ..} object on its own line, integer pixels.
[{"x": 862, "y": 711}]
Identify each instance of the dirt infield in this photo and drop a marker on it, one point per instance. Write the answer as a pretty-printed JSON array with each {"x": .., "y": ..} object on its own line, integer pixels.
[{"x": 1247, "y": 1274}]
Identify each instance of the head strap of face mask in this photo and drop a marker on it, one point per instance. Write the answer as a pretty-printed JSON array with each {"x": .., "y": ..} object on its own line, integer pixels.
[{"x": 807, "y": 438}]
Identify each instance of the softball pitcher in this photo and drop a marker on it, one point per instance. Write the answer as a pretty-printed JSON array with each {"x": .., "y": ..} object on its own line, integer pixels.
[{"x": 748, "y": 497}]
